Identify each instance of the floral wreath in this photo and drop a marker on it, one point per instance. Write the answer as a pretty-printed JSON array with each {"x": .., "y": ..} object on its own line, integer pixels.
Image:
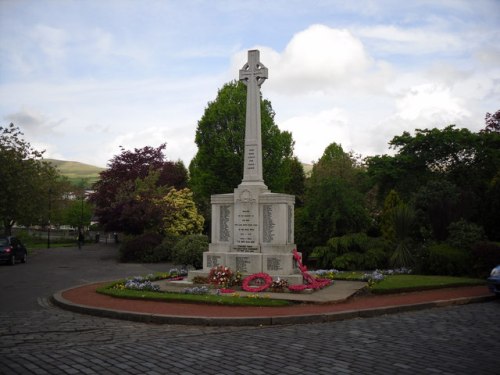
[
  {"x": 268, "y": 280},
  {"x": 311, "y": 282}
]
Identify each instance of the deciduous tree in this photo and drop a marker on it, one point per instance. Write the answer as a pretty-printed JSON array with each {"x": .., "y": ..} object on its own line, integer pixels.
[
  {"x": 218, "y": 165},
  {"x": 126, "y": 190},
  {"x": 27, "y": 182},
  {"x": 334, "y": 202}
]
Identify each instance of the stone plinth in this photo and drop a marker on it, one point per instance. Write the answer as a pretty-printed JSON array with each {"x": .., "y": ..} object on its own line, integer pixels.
[{"x": 252, "y": 232}]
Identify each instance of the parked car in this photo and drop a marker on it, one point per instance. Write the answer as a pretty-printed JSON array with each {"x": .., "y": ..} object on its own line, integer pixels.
[
  {"x": 494, "y": 281},
  {"x": 12, "y": 250}
]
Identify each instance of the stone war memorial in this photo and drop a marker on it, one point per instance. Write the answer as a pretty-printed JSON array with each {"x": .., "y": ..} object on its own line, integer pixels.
[{"x": 253, "y": 228}]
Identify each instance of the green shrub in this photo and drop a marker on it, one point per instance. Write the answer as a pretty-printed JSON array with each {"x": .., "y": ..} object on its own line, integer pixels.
[
  {"x": 348, "y": 262},
  {"x": 374, "y": 259},
  {"x": 464, "y": 235},
  {"x": 444, "y": 259},
  {"x": 355, "y": 242},
  {"x": 163, "y": 252},
  {"x": 323, "y": 256},
  {"x": 340, "y": 252},
  {"x": 189, "y": 250},
  {"x": 140, "y": 248},
  {"x": 487, "y": 256}
]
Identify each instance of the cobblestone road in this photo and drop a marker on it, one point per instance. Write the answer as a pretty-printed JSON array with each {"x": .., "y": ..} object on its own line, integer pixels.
[
  {"x": 452, "y": 340},
  {"x": 38, "y": 338}
]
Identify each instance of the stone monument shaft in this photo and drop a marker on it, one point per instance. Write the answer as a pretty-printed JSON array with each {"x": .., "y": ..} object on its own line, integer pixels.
[{"x": 253, "y": 74}]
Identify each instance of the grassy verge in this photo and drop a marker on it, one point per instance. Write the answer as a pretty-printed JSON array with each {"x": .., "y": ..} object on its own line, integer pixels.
[
  {"x": 349, "y": 276},
  {"x": 228, "y": 300},
  {"x": 406, "y": 283},
  {"x": 52, "y": 245}
]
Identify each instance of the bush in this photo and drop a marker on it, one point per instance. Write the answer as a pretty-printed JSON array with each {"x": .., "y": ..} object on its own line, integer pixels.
[
  {"x": 163, "y": 252},
  {"x": 464, "y": 235},
  {"x": 352, "y": 252},
  {"x": 139, "y": 248},
  {"x": 374, "y": 259},
  {"x": 487, "y": 255},
  {"x": 355, "y": 242},
  {"x": 322, "y": 256},
  {"x": 348, "y": 262},
  {"x": 444, "y": 259},
  {"x": 189, "y": 250}
]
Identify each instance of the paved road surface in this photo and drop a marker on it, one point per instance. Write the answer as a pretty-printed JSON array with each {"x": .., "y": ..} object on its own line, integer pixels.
[{"x": 38, "y": 338}]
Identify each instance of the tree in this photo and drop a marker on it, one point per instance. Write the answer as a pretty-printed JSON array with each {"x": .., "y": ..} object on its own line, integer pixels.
[
  {"x": 220, "y": 136},
  {"x": 403, "y": 220},
  {"x": 492, "y": 122},
  {"x": 391, "y": 202},
  {"x": 181, "y": 216},
  {"x": 334, "y": 202},
  {"x": 124, "y": 195},
  {"x": 27, "y": 182},
  {"x": 468, "y": 161},
  {"x": 78, "y": 213}
]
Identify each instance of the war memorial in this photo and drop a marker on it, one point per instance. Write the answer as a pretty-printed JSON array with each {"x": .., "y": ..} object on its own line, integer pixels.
[{"x": 252, "y": 228}]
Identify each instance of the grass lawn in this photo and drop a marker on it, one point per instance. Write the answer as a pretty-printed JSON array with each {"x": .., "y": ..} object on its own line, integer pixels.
[
  {"x": 349, "y": 276},
  {"x": 229, "y": 299},
  {"x": 52, "y": 245},
  {"x": 390, "y": 284},
  {"x": 402, "y": 283}
]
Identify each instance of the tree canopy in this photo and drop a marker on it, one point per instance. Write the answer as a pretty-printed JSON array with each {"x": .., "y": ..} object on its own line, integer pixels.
[
  {"x": 125, "y": 194},
  {"x": 334, "y": 200},
  {"x": 448, "y": 174},
  {"x": 27, "y": 181},
  {"x": 218, "y": 165}
]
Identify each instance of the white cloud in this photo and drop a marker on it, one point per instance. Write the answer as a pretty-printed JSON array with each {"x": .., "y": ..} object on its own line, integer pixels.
[
  {"x": 431, "y": 103},
  {"x": 317, "y": 58},
  {"x": 331, "y": 124},
  {"x": 409, "y": 41},
  {"x": 52, "y": 41},
  {"x": 354, "y": 73}
]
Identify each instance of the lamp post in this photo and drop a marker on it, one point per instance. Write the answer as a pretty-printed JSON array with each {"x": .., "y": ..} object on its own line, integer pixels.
[
  {"x": 48, "y": 228},
  {"x": 81, "y": 212}
]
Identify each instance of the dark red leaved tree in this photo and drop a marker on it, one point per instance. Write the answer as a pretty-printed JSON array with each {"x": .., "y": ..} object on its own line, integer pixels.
[{"x": 119, "y": 206}]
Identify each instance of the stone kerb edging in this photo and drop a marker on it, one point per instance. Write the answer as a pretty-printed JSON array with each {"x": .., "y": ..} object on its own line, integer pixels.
[{"x": 63, "y": 303}]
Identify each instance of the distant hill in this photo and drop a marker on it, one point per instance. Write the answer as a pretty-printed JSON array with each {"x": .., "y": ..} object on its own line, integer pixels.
[
  {"x": 76, "y": 171},
  {"x": 307, "y": 169}
]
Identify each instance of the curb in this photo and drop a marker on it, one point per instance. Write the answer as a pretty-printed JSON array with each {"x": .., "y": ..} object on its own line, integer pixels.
[{"x": 63, "y": 303}]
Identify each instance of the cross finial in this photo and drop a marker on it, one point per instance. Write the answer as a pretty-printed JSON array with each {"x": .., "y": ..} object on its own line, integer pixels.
[{"x": 253, "y": 69}]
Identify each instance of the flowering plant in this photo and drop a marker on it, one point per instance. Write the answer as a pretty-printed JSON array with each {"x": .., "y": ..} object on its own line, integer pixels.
[
  {"x": 237, "y": 278},
  {"x": 279, "y": 285},
  {"x": 178, "y": 272},
  {"x": 139, "y": 283},
  {"x": 220, "y": 276},
  {"x": 263, "y": 281}
]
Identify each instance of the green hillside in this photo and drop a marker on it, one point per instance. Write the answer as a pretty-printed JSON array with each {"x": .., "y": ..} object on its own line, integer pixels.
[
  {"x": 76, "y": 171},
  {"x": 307, "y": 169}
]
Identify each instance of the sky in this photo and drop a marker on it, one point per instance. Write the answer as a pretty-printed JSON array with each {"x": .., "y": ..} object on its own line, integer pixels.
[{"x": 82, "y": 78}]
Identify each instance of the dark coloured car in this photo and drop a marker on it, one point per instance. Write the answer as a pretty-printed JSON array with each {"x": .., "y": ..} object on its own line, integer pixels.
[
  {"x": 494, "y": 280},
  {"x": 12, "y": 250}
]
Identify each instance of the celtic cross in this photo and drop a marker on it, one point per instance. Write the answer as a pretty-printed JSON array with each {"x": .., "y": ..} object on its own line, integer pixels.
[{"x": 253, "y": 74}]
